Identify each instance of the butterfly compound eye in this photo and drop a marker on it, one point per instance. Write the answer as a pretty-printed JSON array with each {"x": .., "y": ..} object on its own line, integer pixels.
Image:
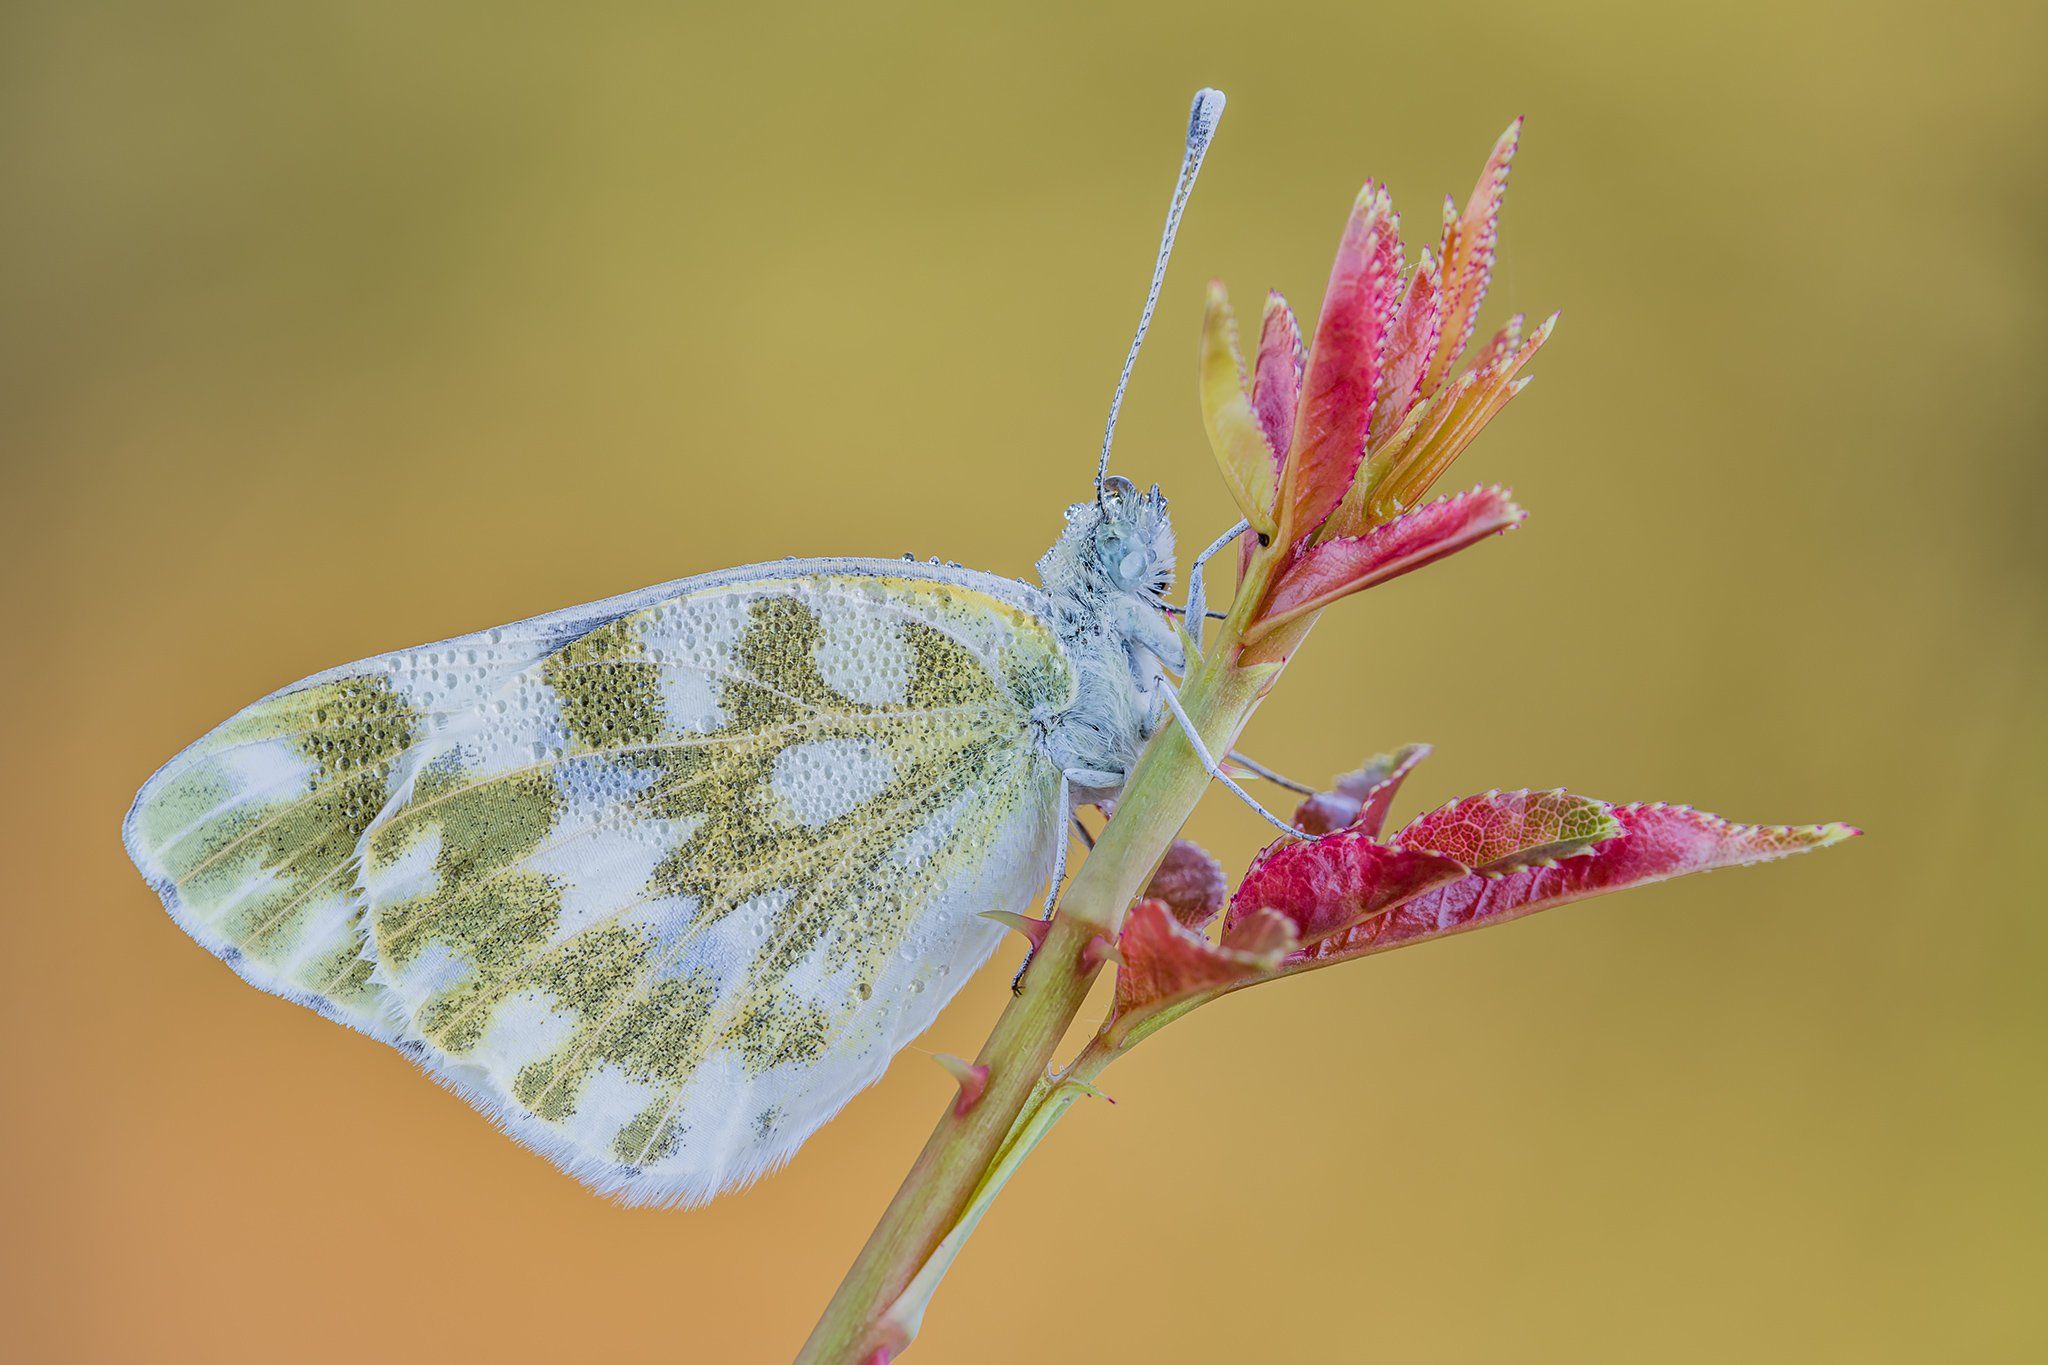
[{"x": 1121, "y": 558}]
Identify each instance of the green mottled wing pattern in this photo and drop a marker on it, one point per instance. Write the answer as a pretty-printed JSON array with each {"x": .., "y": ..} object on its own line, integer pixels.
[
  {"x": 251, "y": 835},
  {"x": 658, "y": 884}
]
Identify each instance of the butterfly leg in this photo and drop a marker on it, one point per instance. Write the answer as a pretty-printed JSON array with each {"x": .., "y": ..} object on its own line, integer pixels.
[
  {"x": 1059, "y": 851},
  {"x": 1197, "y": 610},
  {"x": 1258, "y": 769},
  {"x": 1210, "y": 766},
  {"x": 1059, "y": 865}
]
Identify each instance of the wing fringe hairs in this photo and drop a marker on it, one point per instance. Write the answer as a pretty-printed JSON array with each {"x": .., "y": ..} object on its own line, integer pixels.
[{"x": 519, "y": 856}]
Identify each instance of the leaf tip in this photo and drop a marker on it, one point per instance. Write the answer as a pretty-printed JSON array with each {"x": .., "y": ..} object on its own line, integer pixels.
[{"x": 1084, "y": 1088}]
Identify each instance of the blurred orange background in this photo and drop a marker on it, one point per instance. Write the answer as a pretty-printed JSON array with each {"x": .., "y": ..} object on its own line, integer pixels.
[{"x": 329, "y": 328}]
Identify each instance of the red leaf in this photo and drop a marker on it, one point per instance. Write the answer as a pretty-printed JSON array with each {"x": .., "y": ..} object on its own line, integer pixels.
[
  {"x": 1276, "y": 376},
  {"x": 1342, "y": 381},
  {"x": 1410, "y": 347},
  {"x": 1402, "y": 471},
  {"x": 1504, "y": 344},
  {"x": 1276, "y": 391},
  {"x": 1169, "y": 967},
  {"x": 1325, "y": 886},
  {"x": 1263, "y": 933},
  {"x": 1348, "y": 564},
  {"x": 1470, "y": 241},
  {"x": 1657, "y": 842},
  {"x": 1326, "y": 813},
  {"x": 1501, "y": 832},
  {"x": 1191, "y": 883},
  {"x": 1359, "y": 800},
  {"x": 1372, "y": 814}
]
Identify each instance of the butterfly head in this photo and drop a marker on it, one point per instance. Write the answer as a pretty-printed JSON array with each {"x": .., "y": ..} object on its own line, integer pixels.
[{"x": 1118, "y": 545}]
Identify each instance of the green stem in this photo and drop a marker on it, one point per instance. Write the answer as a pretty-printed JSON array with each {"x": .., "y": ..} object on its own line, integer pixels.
[{"x": 1162, "y": 791}]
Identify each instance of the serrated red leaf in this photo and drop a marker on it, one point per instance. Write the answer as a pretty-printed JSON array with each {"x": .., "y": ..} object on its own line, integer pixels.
[
  {"x": 1324, "y": 886},
  {"x": 1470, "y": 242},
  {"x": 1379, "y": 797},
  {"x": 1326, "y": 813},
  {"x": 1402, "y": 473},
  {"x": 1166, "y": 964},
  {"x": 1191, "y": 883},
  {"x": 1344, "y": 361},
  {"x": 1337, "y": 568},
  {"x": 1264, "y": 935},
  {"x": 1656, "y": 843},
  {"x": 1498, "y": 832},
  {"x": 1360, "y": 799},
  {"x": 1276, "y": 375},
  {"x": 1504, "y": 344},
  {"x": 1411, "y": 345}
]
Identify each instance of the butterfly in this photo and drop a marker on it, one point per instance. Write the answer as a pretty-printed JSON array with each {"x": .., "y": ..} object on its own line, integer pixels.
[{"x": 659, "y": 883}]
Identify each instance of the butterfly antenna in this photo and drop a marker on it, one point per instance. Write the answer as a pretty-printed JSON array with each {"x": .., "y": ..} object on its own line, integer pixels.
[{"x": 1202, "y": 120}]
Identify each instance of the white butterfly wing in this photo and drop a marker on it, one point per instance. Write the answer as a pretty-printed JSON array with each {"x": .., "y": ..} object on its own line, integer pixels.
[
  {"x": 250, "y": 835},
  {"x": 658, "y": 885}
]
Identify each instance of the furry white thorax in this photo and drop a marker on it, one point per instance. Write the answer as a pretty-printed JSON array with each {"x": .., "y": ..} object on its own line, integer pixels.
[{"x": 1106, "y": 578}]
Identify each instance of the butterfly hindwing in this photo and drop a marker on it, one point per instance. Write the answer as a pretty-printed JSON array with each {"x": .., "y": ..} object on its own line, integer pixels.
[{"x": 661, "y": 892}]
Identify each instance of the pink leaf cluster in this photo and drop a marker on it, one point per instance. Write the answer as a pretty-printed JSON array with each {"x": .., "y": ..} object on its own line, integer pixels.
[{"x": 1329, "y": 450}]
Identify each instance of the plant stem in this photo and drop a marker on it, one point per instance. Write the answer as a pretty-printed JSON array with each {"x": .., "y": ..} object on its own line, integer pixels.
[{"x": 1219, "y": 698}]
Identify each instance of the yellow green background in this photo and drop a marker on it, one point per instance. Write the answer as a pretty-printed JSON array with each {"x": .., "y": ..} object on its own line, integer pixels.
[{"x": 328, "y": 328}]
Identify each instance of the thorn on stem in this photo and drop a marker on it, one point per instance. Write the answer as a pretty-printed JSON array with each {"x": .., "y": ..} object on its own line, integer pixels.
[
  {"x": 971, "y": 1078},
  {"x": 1033, "y": 929},
  {"x": 1099, "y": 951}
]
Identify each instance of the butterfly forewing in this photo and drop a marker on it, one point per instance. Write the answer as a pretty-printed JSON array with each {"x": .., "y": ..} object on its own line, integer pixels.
[
  {"x": 659, "y": 888},
  {"x": 251, "y": 834}
]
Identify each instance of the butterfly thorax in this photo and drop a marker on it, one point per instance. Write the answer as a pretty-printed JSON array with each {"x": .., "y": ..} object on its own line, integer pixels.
[{"x": 1106, "y": 579}]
